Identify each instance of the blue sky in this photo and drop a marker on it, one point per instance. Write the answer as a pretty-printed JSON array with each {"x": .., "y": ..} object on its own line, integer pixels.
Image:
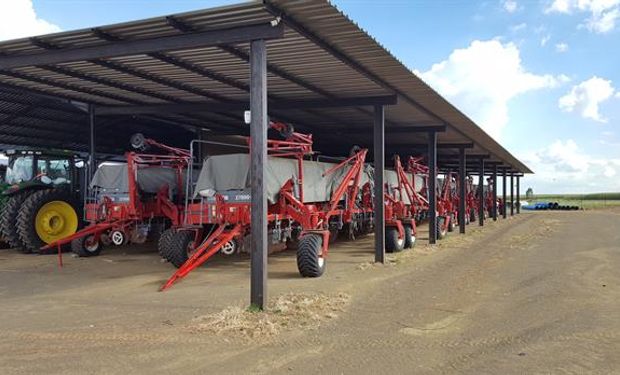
[{"x": 541, "y": 76}]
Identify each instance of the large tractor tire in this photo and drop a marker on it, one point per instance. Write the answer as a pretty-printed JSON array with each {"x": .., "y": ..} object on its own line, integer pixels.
[
  {"x": 179, "y": 248},
  {"x": 8, "y": 218},
  {"x": 393, "y": 244},
  {"x": 86, "y": 247},
  {"x": 310, "y": 261},
  {"x": 47, "y": 216},
  {"x": 164, "y": 242},
  {"x": 409, "y": 237}
]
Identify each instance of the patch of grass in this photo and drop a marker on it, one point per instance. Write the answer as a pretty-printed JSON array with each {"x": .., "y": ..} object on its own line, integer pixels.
[
  {"x": 253, "y": 308},
  {"x": 285, "y": 312}
]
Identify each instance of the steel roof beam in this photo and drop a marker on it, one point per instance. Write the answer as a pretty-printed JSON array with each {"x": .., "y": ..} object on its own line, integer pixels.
[
  {"x": 68, "y": 86},
  {"x": 191, "y": 67},
  {"x": 271, "y": 68},
  {"x": 99, "y": 80},
  {"x": 275, "y": 70},
  {"x": 242, "y": 105},
  {"x": 68, "y": 99},
  {"x": 422, "y": 146},
  {"x": 16, "y": 114},
  {"x": 105, "y": 81},
  {"x": 17, "y": 90},
  {"x": 144, "y": 46}
]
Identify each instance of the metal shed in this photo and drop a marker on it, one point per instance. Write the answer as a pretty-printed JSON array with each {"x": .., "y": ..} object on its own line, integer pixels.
[{"x": 302, "y": 62}]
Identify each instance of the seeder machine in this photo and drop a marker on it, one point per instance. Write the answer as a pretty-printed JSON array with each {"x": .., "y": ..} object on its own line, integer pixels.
[
  {"x": 309, "y": 201},
  {"x": 127, "y": 201}
]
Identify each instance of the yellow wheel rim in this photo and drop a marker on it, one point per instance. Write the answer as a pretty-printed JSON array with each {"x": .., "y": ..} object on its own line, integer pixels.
[{"x": 55, "y": 220}]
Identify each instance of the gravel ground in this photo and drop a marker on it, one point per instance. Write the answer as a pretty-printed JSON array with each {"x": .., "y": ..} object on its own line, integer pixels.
[{"x": 537, "y": 293}]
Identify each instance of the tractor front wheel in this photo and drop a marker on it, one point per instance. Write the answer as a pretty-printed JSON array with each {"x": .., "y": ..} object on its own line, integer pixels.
[
  {"x": 310, "y": 260},
  {"x": 8, "y": 217},
  {"x": 47, "y": 216}
]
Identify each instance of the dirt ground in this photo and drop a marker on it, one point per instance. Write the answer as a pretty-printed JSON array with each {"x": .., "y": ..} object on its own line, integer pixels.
[{"x": 537, "y": 293}]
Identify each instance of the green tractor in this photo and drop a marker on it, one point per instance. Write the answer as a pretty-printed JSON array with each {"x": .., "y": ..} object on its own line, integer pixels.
[{"x": 40, "y": 201}]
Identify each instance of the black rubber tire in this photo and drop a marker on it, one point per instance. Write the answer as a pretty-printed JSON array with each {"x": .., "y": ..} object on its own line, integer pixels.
[
  {"x": 409, "y": 237},
  {"x": 32, "y": 204},
  {"x": 78, "y": 247},
  {"x": 157, "y": 229},
  {"x": 441, "y": 232},
  {"x": 164, "y": 242},
  {"x": 8, "y": 219},
  {"x": 472, "y": 216},
  {"x": 451, "y": 224},
  {"x": 235, "y": 246},
  {"x": 309, "y": 251},
  {"x": 176, "y": 251},
  {"x": 393, "y": 244}
]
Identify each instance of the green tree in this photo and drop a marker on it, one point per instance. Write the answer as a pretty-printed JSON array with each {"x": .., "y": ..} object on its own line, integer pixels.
[{"x": 529, "y": 194}]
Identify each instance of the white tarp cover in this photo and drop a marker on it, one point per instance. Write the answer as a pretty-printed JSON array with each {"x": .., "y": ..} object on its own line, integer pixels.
[
  {"x": 114, "y": 178},
  {"x": 223, "y": 173}
]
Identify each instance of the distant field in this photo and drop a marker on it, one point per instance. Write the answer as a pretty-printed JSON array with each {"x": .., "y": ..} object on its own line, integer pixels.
[{"x": 586, "y": 201}]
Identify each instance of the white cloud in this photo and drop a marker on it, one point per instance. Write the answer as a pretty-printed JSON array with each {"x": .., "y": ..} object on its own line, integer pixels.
[
  {"x": 603, "y": 13},
  {"x": 561, "y": 47},
  {"x": 560, "y": 6},
  {"x": 564, "y": 167},
  {"x": 18, "y": 19},
  {"x": 519, "y": 27},
  {"x": 544, "y": 40},
  {"x": 510, "y": 6},
  {"x": 482, "y": 78},
  {"x": 586, "y": 97}
]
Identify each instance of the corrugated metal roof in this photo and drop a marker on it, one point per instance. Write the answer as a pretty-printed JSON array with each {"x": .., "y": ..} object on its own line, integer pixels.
[{"x": 322, "y": 55}]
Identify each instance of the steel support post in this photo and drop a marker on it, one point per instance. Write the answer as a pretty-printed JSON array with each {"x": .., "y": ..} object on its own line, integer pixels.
[
  {"x": 518, "y": 196},
  {"x": 494, "y": 193},
  {"x": 481, "y": 194},
  {"x": 379, "y": 159},
  {"x": 504, "y": 213},
  {"x": 462, "y": 189},
  {"x": 92, "y": 158},
  {"x": 512, "y": 194},
  {"x": 432, "y": 187},
  {"x": 258, "y": 160}
]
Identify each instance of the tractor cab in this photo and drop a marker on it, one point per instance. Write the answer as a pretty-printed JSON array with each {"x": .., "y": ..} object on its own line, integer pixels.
[
  {"x": 29, "y": 169},
  {"x": 41, "y": 200}
]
